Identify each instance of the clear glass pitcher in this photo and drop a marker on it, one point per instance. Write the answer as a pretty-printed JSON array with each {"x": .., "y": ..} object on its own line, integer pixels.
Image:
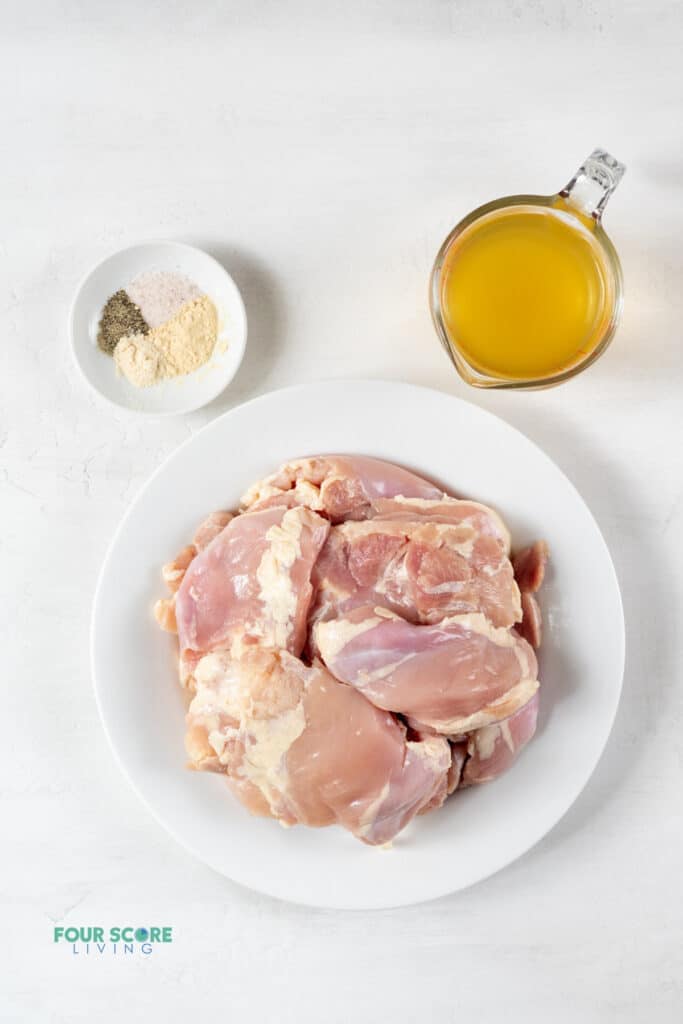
[{"x": 526, "y": 291}]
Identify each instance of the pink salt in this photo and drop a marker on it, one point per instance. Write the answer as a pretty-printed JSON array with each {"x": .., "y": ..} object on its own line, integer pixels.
[{"x": 159, "y": 294}]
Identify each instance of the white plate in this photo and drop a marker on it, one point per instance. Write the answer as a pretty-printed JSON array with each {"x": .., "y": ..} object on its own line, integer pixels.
[
  {"x": 180, "y": 394},
  {"x": 469, "y": 452}
]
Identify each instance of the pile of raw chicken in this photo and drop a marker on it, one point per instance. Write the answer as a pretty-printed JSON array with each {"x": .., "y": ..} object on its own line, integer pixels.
[{"x": 357, "y": 644}]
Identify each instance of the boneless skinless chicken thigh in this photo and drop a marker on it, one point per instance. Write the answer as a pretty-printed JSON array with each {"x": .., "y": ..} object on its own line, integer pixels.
[{"x": 357, "y": 645}]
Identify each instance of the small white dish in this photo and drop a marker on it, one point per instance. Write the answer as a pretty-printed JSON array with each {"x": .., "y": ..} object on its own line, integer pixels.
[
  {"x": 180, "y": 394},
  {"x": 469, "y": 452}
]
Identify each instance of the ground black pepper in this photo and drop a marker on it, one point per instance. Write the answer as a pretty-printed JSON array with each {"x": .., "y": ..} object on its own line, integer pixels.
[{"x": 120, "y": 317}]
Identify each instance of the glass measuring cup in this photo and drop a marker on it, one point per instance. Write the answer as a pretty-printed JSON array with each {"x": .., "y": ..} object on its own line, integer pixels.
[{"x": 526, "y": 291}]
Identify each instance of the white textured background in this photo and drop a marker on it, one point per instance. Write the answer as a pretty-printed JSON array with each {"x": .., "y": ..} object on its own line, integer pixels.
[{"x": 322, "y": 150}]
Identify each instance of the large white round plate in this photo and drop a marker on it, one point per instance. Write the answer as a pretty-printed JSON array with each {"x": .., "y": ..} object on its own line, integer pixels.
[
  {"x": 180, "y": 394},
  {"x": 470, "y": 453}
]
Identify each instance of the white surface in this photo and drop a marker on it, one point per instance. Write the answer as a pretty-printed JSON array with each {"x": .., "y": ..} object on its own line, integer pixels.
[
  {"x": 323, "y": 157},
  {"x": 180, "y": 394},
  {"x": 481, "y": 830}
]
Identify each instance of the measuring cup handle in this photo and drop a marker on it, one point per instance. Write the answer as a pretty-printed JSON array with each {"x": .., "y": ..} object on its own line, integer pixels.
[{"x": 593, "y": 184}]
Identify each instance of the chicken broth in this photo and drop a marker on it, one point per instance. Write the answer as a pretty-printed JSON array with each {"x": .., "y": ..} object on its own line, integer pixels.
[{"x": 526, "y": 292}]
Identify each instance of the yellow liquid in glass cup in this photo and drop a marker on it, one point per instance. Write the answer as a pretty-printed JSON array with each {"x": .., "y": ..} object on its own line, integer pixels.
[{"x": 526, "y": 291}]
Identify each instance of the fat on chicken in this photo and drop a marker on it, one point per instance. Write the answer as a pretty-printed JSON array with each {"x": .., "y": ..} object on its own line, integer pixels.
[{"x": 298, "y": 745}]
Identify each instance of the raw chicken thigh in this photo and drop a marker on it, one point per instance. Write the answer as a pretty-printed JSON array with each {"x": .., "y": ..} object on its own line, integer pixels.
[
  {"x": 355, "y": 644},
  {"x": 252, "y": 583},
  {"x": 529, "y": 566},
  {"x": 454, "y": 676},
  {"x": 341, "y": 486},
  {"x": 297, "y": 744},
  {"x": 424, "y": 560},
  {"x": 491, "y": 750}
]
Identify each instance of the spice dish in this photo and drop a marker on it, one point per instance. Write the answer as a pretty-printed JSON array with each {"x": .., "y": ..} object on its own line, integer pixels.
[{"x": 158, "y": 328}]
